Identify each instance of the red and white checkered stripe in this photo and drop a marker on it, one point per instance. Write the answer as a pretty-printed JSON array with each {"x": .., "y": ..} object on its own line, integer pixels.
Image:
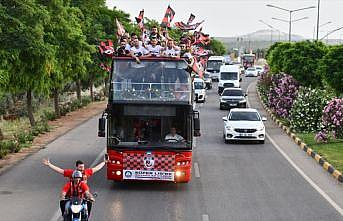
[{"x": 162, "y": 161}]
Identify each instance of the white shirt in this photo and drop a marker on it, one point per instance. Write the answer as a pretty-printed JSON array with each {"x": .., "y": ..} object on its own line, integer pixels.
[
  {"x": 171, "y": 52},
  {"x": 174, "y": 138},
  {"x": 139, "y": 51},
  {"x": 154, "y": 50},
  {"x": 127, "y": 47}
]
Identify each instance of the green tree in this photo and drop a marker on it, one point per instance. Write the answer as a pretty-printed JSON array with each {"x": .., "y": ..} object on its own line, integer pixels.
[
  {"x": 217, "y": 47},
  {"x": 301, "y": 61},
  {"x": 331, "y": 67},
  {"x": 31, "y": 59},
  {"x": 276, "y": 56}
]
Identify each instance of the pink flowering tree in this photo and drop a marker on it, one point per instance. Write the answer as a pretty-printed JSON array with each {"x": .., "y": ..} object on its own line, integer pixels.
[
  {"x": 332, "y": 121},
  {"x": 282, "y": 94}
]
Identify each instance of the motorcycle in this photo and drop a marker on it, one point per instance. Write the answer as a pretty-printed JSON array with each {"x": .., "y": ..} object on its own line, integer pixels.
[{"x": 77, "y": 210}]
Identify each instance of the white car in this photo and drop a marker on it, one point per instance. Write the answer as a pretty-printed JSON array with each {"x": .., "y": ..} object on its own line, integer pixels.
[
  {"x": 199, "y": 90},
  {"x": 244, "y": 124},
  {"x": 259, "y": 69},
  {"x": 251, "y": 72}
]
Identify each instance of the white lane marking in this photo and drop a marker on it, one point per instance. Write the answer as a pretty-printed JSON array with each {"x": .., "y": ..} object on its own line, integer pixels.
[
  {"x": 205, "y": 217},
  {"x": 57, "y": 214},
  {"x": 308, "y": 179},
  {"x": 301, "y": 172},
  {"x": 196, "y": 170}
]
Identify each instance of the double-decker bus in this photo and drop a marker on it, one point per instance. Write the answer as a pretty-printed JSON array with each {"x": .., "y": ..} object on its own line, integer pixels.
[
  {"x": 150, "y": 120},
  {"x": 248, "y": 60}
]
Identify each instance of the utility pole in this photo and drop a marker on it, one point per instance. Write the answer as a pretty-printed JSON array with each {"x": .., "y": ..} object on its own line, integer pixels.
[{"x": 318, "y": 20}]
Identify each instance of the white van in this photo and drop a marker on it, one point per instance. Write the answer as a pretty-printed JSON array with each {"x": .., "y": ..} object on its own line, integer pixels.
[
  {"x": 213, "y": 66},
  {"x": 229, "y": 77},
  {"x": 199, "y": 86}
]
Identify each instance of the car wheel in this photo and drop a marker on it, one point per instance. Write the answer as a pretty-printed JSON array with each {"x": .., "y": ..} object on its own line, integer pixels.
[
  {"x": 261, "y": 141},
  {"x": 226, "y": 141}
]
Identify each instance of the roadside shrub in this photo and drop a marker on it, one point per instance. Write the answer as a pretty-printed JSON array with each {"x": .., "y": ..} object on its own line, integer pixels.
[
  {"x": 306, "y": 113},
  {"x": 9, "y": 146},
  {"x": 49, "y": 115},
  {"x": 264, "y": 85},
  {"x": 332, "y": 121},
  {"x": 282, "y": 94},
  {"x": 86, "y": 100}
]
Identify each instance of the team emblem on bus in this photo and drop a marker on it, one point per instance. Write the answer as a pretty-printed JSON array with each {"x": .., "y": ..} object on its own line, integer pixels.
[{"x": 149, "y": 161}]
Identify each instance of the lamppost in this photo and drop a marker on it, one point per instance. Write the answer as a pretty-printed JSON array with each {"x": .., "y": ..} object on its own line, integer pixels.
[
  {"x": 271, "y": 30},
  {"x": 289, "y": 35},
  {"x": 290, "y": 16},
  {"x": 318, "y": 19},
  {"x": 330, "y": 32}
]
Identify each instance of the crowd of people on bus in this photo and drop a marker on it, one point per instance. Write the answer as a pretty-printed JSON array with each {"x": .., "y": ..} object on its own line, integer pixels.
[{"x": 154, "y": 45}]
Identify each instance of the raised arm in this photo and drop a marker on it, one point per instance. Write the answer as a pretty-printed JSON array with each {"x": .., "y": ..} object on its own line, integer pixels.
[
  {"x": 53, "y": 167},
  {"x": 99, "y": 166}
]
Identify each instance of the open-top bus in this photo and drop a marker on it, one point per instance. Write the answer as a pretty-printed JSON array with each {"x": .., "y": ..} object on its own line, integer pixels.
[{"x": 146, "y": 101}]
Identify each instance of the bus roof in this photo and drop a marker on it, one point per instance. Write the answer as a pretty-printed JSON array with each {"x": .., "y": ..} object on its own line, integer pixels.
[{"x": 150, "y": 58}]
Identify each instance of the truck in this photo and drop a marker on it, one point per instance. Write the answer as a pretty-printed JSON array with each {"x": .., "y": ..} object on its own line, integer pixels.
[
  {"x": 150, "y": 119},
  {"x": 229, "y": 76}
]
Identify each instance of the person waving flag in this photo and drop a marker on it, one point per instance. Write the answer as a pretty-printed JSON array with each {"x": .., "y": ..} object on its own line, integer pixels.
[
  {"x": 191, "y": 19},
  {"x": 140, "y": 19},
  {"x": 168, "y": 17}
]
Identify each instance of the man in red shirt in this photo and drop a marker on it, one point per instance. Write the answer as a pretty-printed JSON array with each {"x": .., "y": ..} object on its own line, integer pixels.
[
  {"x": 80, "y": 166},
  {"x": 75, "y": 188}
]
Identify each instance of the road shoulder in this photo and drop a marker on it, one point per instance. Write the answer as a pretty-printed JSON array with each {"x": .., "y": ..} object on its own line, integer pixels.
[
  {"x": 314, "y": 171},
  {"x": 59, "y": 127}
]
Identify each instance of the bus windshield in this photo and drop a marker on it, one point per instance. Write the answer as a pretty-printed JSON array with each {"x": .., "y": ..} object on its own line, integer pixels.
[
  {"x": 151, "y": 81},
  {"x": 214, "y": 65},
  {"x": 249, "y": 58}
]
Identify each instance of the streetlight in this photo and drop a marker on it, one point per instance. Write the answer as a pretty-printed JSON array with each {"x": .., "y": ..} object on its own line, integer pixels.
[
  {"x": 318, "y": 19},
  {"x": 330, "y": 32},
  {"x": 271, "y": 30},
  {"x": 290, "y": 16}
]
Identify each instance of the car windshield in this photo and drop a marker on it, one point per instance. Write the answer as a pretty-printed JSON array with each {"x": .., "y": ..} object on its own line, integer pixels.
[
  {"x": 258, "y": 68},
  {"x": 229, "y": 76},
  {"x": 214, "y": 65},
  {"x": 198, "y": 85},
  {"x": 244, "y": 116},
  {"x": 232, "y": 93},
  {"x": 251, "y": 69}
]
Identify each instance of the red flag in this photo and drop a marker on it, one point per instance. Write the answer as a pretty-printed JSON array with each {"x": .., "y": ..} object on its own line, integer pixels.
[
  {"x": 168, "y": 17},
  {"x": 187, "y": 27},
  {"x": 120, "y": 28},
  {"x": 140, "y": 19},
  {"x": 191, "y": 18}
]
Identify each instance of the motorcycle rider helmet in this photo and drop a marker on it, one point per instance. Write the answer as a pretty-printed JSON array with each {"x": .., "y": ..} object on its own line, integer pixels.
[{"x": 76, "y": 175}]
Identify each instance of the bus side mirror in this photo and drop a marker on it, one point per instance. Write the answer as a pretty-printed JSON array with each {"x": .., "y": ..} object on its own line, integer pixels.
[
  {"x": 196, "y": 119},
  {"x": 101, "y": 127}
]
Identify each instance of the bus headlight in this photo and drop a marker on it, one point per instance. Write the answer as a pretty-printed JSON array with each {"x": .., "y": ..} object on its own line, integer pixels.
[{"x": 178, "y": 173}]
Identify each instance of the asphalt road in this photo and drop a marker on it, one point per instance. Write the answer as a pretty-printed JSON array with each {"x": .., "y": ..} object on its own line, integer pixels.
[{"x": 243, "y": 181}]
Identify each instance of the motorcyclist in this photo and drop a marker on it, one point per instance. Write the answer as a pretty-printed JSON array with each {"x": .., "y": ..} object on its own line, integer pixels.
[
  {"x": 75, "y": 188},
  {"x": 80, "y": 166}
]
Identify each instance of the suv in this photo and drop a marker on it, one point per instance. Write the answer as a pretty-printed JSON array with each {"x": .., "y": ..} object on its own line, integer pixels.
[{"x": 232, "y": 97}]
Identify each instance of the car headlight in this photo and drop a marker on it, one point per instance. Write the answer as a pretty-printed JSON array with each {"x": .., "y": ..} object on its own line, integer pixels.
[
  {"x": 242, "y": 101},
  {"x": 260, "y": 128},
  {"x": 228, "y": 127}
]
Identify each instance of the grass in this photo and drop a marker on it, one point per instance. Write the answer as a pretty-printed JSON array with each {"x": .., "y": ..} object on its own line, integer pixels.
[{"x": 331, "y": 151}]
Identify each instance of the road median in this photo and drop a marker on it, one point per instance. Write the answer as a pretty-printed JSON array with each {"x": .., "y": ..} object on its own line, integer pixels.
[{"x": 306, "y": 148}]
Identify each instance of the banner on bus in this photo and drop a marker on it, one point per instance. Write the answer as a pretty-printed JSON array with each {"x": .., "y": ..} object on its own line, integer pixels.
[{"x": 148, "y": 175}]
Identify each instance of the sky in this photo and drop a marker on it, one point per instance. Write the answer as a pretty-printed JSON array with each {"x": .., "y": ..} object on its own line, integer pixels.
[{"x": 230, "y": 18}]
